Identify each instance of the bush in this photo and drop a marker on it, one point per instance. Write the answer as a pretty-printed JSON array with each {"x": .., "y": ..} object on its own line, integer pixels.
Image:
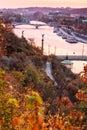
[{"x": 31, "y": 75}]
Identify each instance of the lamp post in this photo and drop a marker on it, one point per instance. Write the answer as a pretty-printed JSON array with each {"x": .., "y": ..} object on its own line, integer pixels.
[
  {"x": 22, "y": 34},
  {"x": 48, "y": 49},
  {"x": 55, "y": 50},
  {"x": 67, "y": 58},
  {"x": 42, "y": 43},
  {"x": 82, "y": 50}
]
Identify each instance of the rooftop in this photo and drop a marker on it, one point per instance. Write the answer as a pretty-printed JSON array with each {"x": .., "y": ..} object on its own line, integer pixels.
[{"x": 67, "y": 62}]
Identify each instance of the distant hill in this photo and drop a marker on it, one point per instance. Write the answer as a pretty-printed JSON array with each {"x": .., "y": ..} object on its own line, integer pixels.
[
  {"x": 47, "y": 10},
  {"x": 74, "y": 11}
]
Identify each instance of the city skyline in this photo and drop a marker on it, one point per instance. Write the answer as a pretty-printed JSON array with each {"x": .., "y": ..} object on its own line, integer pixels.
[{"x": 43, "y": 3}]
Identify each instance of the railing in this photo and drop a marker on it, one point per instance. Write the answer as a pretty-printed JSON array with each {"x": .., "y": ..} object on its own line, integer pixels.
[{"x": 72, "y": 57}]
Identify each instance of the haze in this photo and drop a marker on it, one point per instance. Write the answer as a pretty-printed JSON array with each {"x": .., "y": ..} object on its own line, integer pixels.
[{"x": 43, "y": 3}]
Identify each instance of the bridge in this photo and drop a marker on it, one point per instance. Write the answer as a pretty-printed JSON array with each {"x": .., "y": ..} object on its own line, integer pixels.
[
  {"x": 37, "y": 24},
  {"x": 72, "y": 57}
]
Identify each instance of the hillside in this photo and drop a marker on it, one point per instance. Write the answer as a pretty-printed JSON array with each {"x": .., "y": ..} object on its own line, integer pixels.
[{"x": 29, "y": 98}]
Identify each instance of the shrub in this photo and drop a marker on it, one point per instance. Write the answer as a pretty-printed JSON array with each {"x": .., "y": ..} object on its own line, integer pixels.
[{"x": 31, "y": 75}]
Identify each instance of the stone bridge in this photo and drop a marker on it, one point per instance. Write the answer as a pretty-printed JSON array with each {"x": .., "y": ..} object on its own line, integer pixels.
[{"x": 37, "y": 25}]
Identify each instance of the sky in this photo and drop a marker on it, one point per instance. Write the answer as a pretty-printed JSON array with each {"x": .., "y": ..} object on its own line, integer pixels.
[{"x": 43, "y": 3}]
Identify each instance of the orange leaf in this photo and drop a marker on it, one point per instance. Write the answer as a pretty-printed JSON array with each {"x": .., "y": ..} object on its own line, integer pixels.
[
  {"x": 35, "y": 127},
  {"x": 1, "y": 122},
  {"x": 15, "y": 121}
]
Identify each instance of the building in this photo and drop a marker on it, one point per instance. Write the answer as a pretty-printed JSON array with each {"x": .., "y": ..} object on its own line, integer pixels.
[
  {"x": 68, "y": 64},
  {"x": 58, "y": 14},
  {"x": 84, "y": 20}
]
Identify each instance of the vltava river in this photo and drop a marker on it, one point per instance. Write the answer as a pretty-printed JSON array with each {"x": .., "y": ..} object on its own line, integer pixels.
[{"x": 53, "y": 44}]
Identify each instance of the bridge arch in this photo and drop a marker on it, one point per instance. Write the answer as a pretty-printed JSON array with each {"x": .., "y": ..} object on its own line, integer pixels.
[{"x": 37, "y": 24}]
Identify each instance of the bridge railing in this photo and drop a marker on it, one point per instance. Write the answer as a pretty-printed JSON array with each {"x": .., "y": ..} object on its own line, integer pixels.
[{"x": 72, "y": 57}]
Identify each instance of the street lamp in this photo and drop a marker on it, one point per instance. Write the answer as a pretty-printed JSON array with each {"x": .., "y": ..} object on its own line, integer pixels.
[
  {"x": 22, "y": 34},
  {"x": 55, "y": 50},
  {"x": 67, "y": 58},
  {"x": 48, "y": 49},
  {"x": 83, "y": 50},
  {"x": 42, "y": 43}
]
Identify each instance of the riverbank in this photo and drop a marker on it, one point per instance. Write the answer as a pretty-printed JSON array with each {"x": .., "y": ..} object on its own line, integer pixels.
[{"x": 69, "y": 35}]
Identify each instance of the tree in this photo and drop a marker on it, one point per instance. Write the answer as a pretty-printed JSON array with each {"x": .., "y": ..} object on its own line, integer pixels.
[{"x": 84, "y": 74}]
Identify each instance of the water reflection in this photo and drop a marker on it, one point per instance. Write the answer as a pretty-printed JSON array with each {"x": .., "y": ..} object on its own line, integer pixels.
[{"x": 78, "y": 66}]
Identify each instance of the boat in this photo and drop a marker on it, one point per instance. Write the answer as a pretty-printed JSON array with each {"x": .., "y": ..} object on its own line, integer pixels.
[
  {"x": 71, "y": 40},
  {"x": 64, "y": 36},
  {"x": 59, "y": 33},
  {"x": 55, "y": 30}
]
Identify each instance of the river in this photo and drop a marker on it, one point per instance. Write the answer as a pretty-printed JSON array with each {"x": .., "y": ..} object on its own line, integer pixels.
[{"x": 53, "y": 44}]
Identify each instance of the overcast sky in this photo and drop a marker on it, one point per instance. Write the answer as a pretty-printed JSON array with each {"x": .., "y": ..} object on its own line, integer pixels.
[{"x": 42, "y": 3}]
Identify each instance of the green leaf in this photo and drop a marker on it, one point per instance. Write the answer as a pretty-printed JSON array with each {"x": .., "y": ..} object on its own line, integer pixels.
[{"x": 13, "y": 101}]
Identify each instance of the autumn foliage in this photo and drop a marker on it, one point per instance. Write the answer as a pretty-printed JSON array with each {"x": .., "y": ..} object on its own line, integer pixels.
[
  {"x": 84, "y": 74},
  {"x": 23, "y": 105}
]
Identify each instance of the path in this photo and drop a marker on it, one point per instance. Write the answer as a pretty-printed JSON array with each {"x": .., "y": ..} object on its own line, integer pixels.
[{"x": 49, "y": 72}]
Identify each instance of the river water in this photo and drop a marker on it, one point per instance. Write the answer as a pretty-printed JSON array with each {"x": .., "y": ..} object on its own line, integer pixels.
[{"x": 53, "y": 44}]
